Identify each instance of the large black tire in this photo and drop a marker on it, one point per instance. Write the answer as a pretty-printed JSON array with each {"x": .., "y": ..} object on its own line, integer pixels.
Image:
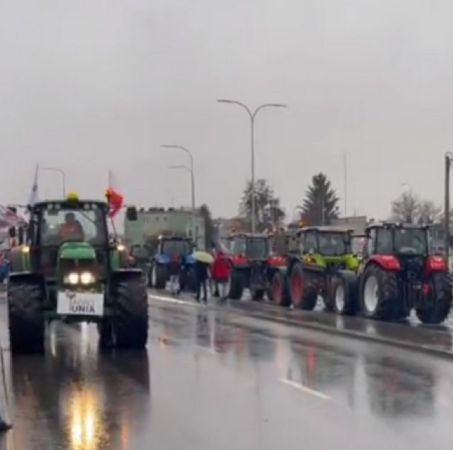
[
  {"x": 161, "y": 276},
  {"x": 236, "y": 284},
  {"x": 278, "y": 291},
  {"x": 303, "y": 294},
  {"x": 344, "y": 293},
  {"x": 26, "y": 319},
  {"x": 128, "y": 328},
  {"x": 379, "y": 297},
  {"x": 437, "y": 304}
]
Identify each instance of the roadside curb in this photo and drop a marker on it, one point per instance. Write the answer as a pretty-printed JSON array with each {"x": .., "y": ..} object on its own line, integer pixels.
[
  {"x": 356, "y": 335},
  {"x": 428, "y": 350}
]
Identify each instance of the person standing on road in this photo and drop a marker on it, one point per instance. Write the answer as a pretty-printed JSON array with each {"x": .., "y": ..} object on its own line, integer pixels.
[
  {"x": 201, "y": 276},
  {"x": 174, "y": 272},
  {"x": 221, "y": 273}
]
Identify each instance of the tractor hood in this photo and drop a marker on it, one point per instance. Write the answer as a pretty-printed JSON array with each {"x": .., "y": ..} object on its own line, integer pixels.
[{"x": 76, "y": 250}]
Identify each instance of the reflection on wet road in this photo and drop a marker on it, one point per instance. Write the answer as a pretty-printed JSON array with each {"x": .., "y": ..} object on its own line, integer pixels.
[{"x": 218, "y": 379}]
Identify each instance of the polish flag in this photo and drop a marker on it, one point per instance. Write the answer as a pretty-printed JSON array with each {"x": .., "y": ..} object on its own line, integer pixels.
[{"x": 115, "y": 196}]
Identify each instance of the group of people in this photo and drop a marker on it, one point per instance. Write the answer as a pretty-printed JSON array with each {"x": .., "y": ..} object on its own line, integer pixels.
[{"x": 218, "y": 272}]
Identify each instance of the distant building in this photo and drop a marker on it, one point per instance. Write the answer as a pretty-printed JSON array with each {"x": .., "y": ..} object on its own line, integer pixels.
[{"x": 153, "y": 222}]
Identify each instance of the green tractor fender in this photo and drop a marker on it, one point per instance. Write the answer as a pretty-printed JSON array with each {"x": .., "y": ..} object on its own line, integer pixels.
[{"x": 351, "y": 262}]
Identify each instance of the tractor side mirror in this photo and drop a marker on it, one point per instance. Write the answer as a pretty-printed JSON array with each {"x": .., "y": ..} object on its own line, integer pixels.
[{"x": 131, "y": 213}]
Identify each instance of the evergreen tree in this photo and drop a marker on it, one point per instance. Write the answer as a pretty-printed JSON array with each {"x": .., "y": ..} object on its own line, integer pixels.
[{"x": 320, "y": 205}]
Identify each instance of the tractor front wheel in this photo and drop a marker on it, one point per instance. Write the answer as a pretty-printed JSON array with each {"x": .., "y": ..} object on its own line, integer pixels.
[
  {"x": 26, "y": 320},
  {"x": 378, "y": 293},
  {"x": 437, "y": 302},
  {"x": 303, "y": 295},
  {"x": 278, "y": 292},
  {"x": 128, "y": 328},
  {"x": 235, "y": 286},
  {"x": 343, "y": 294}
]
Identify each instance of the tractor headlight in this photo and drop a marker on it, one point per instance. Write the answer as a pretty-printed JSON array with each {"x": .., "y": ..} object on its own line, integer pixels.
[
  {"x": 73, "y": 278},
  {"x": 87, "y": 278}
]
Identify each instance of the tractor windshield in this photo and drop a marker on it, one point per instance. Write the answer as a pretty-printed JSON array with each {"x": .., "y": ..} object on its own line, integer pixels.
[
  {"x": 258, "y": 248},
  {"x": 238, "y": 246},
  {"x": 175, "y": 247},
  {"x": 252, "y": 247},
  {"x": 411, "y": 241},
  {"x": 333, "y": 244},
  {"x": 83, "y": 223}
]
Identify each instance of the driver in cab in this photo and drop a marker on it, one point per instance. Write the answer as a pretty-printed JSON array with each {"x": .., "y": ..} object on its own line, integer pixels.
[{"x": 71, "y": 229}]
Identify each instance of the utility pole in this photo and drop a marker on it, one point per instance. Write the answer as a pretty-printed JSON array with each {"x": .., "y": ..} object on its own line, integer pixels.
[
  {"x": 448, "y": 161},
  {"x": 345, "y": 168}
]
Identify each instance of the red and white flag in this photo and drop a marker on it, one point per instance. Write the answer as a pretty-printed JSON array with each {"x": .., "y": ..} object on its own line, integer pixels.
[{"x": 115, "y": 196}]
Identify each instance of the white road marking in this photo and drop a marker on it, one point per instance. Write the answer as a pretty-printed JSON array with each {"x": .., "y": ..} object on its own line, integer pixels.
[
  {"x": 172, "y": 300},
  {"x": 305, "y": 389}
]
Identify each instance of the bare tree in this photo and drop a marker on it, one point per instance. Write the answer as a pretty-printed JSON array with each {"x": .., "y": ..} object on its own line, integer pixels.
[
  {"x": 405, "y": 208},
  {"x": 428, "y": 212}
]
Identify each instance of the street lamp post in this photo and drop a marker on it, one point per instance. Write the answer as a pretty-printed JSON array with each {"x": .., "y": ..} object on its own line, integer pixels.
[
  {"x": 192, "y": 181},
  {"x": 448, "y": 162},
  {"x": 63, "y": 176},
  {"x": 252, "y": 115}
]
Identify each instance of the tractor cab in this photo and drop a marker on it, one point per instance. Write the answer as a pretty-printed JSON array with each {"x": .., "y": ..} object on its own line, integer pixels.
[
  {"x": 245, "y": 247},
  {"x": 174, "y": 247},
  {"x": 327, "y": 246},
  {"x": 402, "y": 246},
  {"x": 62, "y": 232},
  {"x": 171, "y": 250}
]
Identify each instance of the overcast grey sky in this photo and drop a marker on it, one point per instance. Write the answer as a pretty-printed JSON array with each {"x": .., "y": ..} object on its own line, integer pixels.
[{"x": 92, "y": 85}]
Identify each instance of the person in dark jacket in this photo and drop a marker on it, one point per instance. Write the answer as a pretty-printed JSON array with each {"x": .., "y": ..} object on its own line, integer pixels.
[{"x": 201, "y": 276}]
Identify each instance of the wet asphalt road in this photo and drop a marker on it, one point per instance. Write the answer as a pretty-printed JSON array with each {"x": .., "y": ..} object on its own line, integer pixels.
[{"x": 215, "y": 378}]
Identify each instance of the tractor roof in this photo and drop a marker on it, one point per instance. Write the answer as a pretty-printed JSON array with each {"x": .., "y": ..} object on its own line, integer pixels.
[
  {"x": 173, "y": 237},
  {"x": 396, "y": 225},
  {"x": 325, "y": 229},
  {"x": 68, "y": 202}
]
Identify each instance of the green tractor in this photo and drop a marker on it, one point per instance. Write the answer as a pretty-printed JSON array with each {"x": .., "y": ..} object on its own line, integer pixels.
[
  {"x": 325, "y": 266},
  {"x": 70, "y": 270}
]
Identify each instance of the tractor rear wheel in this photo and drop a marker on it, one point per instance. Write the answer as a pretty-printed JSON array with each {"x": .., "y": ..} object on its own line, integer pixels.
[
  {"x": 303, "y": 295},
  {"x": 378, "y": 293},
  {"x": 278, "y": 290},
  {"x": 128, "y": 328},
  {"x": 343, "y": 294},
  {"x": 235, "y": 286},
  {"x": 437, "y": 303},
  {"x": 26, "y": 320}
]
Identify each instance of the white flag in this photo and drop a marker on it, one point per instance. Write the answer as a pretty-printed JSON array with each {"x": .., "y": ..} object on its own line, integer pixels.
[{"x": 34, "y": 197}]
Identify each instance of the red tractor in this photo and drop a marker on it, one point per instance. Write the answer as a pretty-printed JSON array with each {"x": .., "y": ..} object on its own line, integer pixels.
[
  {"x": 249, "y": 255},
  {"x": 399, "y": 274}
]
